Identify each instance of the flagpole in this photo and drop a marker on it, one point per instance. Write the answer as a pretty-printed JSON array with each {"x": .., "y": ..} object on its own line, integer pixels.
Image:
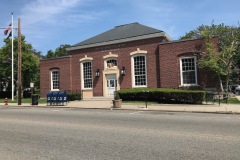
[{"x": 12, "y": 63}]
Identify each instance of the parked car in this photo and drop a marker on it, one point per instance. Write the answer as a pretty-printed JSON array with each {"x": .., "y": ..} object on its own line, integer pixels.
[
  {"x": 27, "y": 93},
  {"x": 237, "y": 90},
  {"x": 234, "y": 89}
]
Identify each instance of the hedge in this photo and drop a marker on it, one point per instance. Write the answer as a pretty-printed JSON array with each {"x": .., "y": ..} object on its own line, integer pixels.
[
  {"x": 71, "y": 96},
  {"x": 163, "y": 95}
]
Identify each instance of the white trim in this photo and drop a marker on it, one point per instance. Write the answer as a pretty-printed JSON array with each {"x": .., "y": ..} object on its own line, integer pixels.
[
  {"x": 138, "y": 51},
  {"x": 110, "y": 55},
  {"x": 82, "y": 80},
  {"x": 181, "y": 73},
  {"x": 51, "y": 71},
  {"x": 132, "y": 69},
  {"x": 86, "y": 58}
]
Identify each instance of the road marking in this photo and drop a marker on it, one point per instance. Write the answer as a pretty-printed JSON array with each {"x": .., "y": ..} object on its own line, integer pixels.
[
  {"x": 136, "y": 112},
  {"x": 61, "y": 109}
]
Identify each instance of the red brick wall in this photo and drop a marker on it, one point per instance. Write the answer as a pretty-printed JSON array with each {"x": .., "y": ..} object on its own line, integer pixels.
[
  {"x": 163, "y": 68},
  {"x": 63, "y": 64},
  {"x": 124, "y": 59},
  {"x": 169, "y": 54}
]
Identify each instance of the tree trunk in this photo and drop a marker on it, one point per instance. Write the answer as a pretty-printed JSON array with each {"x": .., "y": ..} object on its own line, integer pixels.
[{"x": 221, "y": 85}]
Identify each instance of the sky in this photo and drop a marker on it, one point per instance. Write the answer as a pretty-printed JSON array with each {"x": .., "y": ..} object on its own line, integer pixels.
[{"x": 47, "y": 24}]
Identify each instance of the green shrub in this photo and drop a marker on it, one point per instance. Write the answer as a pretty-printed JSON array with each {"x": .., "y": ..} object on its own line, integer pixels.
[
  {"x": 71, "y": 96},
  {"x": 163, "y": 95},
  {"x": 116, "y": 96}
]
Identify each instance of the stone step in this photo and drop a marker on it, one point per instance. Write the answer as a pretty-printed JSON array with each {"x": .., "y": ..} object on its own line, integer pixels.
[{"x": 109, "y": 98}]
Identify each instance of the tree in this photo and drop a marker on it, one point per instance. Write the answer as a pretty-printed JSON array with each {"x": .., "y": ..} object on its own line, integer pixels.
[
  {"x": 223, "y": 61},
  {"x": 50, "y": 54},
  {"x": 59, "y": 52},
  {"x": 5, "y": 72},
  {"x": 30, "y": 62}
]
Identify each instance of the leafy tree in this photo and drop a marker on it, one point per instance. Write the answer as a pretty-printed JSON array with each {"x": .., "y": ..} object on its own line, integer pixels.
[
  {"x": 223, "y": 61},
  {"x": 5, "y": 71},
  {"x": 30, "y": 62},
  {"x": 38, "y": 54},
  {"x": 59, "y": 52},
  {"x": 50, "y": 54}
]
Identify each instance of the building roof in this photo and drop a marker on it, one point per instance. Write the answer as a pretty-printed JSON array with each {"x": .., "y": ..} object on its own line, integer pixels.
[{"x": 120, "y": 34}]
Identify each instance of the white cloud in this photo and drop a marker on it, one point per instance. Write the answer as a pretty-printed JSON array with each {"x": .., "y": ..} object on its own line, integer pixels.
[
  {"x": 45, "y": 10},
  {"x": 42, "y": 21}
]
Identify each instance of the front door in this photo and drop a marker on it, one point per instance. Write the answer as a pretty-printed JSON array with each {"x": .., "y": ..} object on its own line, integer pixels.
[{"x": 111, "y": 84}]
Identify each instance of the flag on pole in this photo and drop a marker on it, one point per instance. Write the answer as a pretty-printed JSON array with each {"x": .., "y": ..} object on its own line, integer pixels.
[
  {"x": 8, "y": 29},
  {"x": 9, "y": 35}
]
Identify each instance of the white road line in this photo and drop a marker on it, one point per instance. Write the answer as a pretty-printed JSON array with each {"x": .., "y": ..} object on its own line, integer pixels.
[{"x": 136, "y": 112}]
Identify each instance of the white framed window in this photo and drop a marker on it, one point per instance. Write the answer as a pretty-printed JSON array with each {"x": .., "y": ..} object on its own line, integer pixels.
[
  {"x": 87, "y": 75},
  {"x": 188, "y": 71},
  {"x": 139, "y": 70},
  {"x": 111, "y": 62},
  {"x": 54, "y": 80}
]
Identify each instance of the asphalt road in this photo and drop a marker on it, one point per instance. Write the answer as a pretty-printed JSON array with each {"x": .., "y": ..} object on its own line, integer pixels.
[{"x": 68, "y": 134}]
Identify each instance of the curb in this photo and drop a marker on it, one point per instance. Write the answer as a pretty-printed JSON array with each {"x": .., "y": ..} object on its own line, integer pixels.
[{"x": 133, "y": 109}]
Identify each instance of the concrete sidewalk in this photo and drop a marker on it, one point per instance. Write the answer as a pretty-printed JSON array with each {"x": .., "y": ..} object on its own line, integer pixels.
[{"x": 99, "y": 104}]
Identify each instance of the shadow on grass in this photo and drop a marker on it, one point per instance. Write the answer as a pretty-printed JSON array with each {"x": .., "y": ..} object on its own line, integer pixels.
[{"x": 25, "y": 100}]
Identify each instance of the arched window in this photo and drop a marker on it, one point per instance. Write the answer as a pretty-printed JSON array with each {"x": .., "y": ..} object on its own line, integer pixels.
[
  {"x": 87, "y": 75},
  {"x": 139, "y": 70},
  {"x": 111, "y": 63},
  {"x": 54, "y": 73}
]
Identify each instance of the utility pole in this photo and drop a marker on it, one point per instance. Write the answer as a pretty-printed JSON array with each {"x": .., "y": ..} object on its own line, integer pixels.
[
  {"x": 12, "y": 62},
  {"x": 19, "y": 64}
]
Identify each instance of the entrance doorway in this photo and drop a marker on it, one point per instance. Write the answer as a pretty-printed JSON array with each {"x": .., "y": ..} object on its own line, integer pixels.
[{"x": 111, "y": 84}]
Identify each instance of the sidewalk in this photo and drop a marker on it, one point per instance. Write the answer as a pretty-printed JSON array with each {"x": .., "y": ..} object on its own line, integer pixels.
[{"x": 98, "y": 104}]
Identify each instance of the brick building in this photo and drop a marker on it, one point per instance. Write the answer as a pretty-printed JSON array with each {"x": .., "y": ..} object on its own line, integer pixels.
[{"x": 127, "y": 56}]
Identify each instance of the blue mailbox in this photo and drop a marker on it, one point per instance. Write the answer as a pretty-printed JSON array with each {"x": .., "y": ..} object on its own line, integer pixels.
[
  {"x": 49, "y": 98},
  {"x": 62, "y": 98},
  {"x": 54, "y": 98}
]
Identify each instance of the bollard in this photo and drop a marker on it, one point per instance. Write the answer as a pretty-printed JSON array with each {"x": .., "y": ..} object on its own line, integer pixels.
[{"x": 6, "y": 101}]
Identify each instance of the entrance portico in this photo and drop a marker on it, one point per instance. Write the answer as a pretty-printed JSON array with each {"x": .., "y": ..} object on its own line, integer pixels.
[{"x": 110, "y": 81}]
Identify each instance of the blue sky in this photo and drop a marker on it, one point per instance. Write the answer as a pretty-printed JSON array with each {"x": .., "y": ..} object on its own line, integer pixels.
[{"x": 49, "y": 23}]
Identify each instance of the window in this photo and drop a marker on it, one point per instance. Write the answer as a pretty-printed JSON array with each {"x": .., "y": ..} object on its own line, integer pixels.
[
  {"x": 139, "y": 63},
  {"x": 54, "y": 80},
  {"x": 87, "y": 74},
  {"x": 188, "y": 71},
  {"x": 111, "y": 63}
]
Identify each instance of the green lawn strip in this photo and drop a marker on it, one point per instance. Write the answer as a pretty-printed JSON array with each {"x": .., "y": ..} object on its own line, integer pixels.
[
  {"x": 25, "y": 100},
  {"x": 231, "y": 101}
]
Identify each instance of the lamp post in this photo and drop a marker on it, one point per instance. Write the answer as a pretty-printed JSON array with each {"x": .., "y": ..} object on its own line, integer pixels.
[{"x": 145, "y": 93}]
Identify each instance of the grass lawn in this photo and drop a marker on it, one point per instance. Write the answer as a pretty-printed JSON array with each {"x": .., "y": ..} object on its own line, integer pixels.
[
  {"x": 25, "y": 100},
  {"x": 229, "y": 101}
]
